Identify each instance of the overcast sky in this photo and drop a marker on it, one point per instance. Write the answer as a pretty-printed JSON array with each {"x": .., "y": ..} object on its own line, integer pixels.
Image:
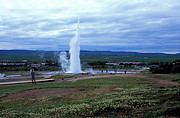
[{"x": 118, "y": 25}]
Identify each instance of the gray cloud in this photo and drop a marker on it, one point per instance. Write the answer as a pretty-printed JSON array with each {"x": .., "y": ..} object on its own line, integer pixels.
[{"x": 137, "y": 25}]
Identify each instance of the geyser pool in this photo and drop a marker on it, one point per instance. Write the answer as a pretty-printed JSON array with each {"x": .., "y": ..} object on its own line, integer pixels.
[{"x": 2, "y": 75}]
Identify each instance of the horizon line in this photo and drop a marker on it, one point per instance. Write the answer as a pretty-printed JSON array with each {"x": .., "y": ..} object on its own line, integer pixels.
[{"x": 92, "y": 51}]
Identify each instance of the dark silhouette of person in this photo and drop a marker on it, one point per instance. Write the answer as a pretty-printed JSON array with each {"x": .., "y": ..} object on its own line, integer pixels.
[
  {"x": 33, "y": 76},
  {"x": 115, "y": 71},
  {"x": 101, "y": 71},
  {"x": 106, "y": 71}
]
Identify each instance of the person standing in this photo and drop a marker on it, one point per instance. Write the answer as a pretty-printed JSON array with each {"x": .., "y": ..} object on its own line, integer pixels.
[
  {"x": 102, "y": 71},
  {"x": 33, "y": 76},
  {"x": 125, "y": 72}
]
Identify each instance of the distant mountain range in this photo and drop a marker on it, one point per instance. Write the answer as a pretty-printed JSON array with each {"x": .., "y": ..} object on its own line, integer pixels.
[{"x": 83, "y": 52}]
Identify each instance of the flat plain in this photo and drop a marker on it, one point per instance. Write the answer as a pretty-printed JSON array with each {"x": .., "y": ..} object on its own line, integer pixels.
[{"x": 104, "y": 95}]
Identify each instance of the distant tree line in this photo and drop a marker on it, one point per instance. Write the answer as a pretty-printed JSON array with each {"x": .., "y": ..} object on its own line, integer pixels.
[
  {"x": 166, "y": 68},
  {"x": 97, "y": 63}
]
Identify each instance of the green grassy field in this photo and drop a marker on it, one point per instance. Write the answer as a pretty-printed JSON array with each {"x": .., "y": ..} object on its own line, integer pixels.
[
  {"x": 129, "y": 58},
  {"x": 115, "y": 97},
  {"x": 89, "y": 59},
  {"x": 94, "y": 58}
]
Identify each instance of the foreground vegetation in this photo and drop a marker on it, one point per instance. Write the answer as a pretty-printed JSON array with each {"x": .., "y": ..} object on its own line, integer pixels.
[{"x": 102, "y": 97}]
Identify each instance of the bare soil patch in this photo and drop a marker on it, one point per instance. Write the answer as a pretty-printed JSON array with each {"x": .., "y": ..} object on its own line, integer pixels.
[
  {"x": 165, "y": 83},
  {"x": 45, "y": 92}
]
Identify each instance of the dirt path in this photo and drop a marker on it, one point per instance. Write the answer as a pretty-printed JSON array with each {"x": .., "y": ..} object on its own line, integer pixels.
[{"x": 105, "y": 76}]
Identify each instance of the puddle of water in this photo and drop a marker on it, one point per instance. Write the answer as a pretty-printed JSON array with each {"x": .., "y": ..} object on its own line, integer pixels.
[
  {"x": 2, "y": 75},
  {"x": 9, "y": 76},
  {"x": 50, "y": 73},
  {"x": 13, "y": 76}
]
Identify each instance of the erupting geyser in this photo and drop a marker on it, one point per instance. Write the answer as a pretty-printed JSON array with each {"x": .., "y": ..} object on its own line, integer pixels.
[
  {"x": 64, "y": 61},
  {"x": 73, "y": 65}
]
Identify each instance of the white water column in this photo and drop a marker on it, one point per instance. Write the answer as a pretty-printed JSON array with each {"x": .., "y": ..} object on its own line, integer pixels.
[{"x": 75, "y": 66}]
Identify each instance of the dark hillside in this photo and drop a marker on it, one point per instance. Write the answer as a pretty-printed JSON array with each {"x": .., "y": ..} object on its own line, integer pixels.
[{"x": 83, "y": 52}]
